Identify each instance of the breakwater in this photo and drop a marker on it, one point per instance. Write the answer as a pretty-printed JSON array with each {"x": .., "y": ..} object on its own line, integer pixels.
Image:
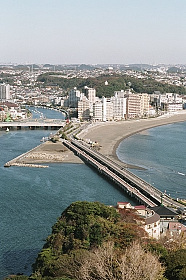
[
  {"x": 17, "y": 161},
  {"x": 28, "y": 165}
]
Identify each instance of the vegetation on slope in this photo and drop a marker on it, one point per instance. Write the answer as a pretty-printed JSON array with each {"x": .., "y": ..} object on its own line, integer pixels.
[
  {"x": 115, "y": 83},
  {"x": 92, "y": 241}
]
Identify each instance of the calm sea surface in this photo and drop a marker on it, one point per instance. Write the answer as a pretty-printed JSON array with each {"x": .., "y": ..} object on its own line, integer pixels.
[
  {"x": 162, "y": 152},
  {"x": 31, "y": 199}
]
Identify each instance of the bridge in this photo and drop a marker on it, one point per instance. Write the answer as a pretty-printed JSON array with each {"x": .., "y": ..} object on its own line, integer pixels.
[
  {"x": 33, "y": 124},
  {"x": 126, "y": 180}
]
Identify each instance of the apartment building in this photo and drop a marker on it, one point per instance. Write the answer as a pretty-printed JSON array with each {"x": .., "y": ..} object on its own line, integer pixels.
[
  {"x": 73, "y": 98},
  {"x": 119, "y": 105},
  {"x": 134, "y": 106},
  {"x": 4, "y": 92},
  {"x": 98, "y": 110},
  {"x": 90, "y": 93},
  {"x": 145, "y": 101},
  {"x": 107, "y": 109},
  {"x": 84, "y": 109}
]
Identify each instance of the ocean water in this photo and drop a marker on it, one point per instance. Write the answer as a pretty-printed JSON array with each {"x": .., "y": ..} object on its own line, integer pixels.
[
  {"x": 31, "y": 199},
  {"x": 162, "y": 152}
]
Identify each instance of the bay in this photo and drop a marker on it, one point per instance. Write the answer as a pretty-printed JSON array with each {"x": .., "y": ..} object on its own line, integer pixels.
[
  {"x": 31, "y": 199},
  {"x": 161, "y": 151}
]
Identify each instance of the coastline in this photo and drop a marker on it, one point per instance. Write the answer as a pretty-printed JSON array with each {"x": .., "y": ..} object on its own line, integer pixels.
[{"x": 110, "y": 134}]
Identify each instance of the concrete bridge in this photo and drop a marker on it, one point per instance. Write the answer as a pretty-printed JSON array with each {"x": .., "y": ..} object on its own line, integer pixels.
[
  {"x": 33, "y": 124},
  {"x": 126, "y": 180}
]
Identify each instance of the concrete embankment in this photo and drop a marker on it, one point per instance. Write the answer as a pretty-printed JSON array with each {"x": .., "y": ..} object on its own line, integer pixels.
[{"x": 27, "y": 165}]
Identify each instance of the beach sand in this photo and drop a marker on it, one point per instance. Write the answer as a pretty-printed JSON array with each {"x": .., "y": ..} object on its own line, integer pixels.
[
  {"x": 49, "y": 152},
  {"x": 108, "y": 135}
]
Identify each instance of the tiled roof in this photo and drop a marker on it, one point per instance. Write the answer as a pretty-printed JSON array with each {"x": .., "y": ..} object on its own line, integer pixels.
[
  {"x": 176, "y": 226},
  {"x": 164, "y": 211},
  {"x": 140, "y": 207}
]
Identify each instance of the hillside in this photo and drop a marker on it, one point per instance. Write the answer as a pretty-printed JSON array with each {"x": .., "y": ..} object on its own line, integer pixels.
[
  {"x": 115, "y": 82},
  {"x": 92, "y": 241}
]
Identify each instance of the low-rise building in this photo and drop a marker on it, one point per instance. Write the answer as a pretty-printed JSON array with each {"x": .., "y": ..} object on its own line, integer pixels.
[{"x": 151, "y": 220}]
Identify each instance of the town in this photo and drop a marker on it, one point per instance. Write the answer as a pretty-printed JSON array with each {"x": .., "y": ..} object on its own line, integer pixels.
[{"x": 84, "y": 99}]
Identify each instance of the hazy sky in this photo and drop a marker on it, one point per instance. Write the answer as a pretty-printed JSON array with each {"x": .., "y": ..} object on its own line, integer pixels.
[{"x": 93, "y": 31}]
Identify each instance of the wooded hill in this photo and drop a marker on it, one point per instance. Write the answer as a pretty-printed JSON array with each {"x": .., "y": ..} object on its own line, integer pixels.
[
  {"x": 115, "y": 83},
  {"x": 91, "y": 241}
]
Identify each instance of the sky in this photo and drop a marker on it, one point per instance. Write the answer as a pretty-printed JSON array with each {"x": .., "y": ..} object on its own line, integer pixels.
[{"x": 93, "y": 31}]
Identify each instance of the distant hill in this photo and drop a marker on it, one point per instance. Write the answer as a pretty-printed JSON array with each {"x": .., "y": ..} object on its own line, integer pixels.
[{"x": 115, "y": 83}]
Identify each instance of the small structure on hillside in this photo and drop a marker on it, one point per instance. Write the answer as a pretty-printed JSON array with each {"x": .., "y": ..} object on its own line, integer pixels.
[{"x": 151, "y": 219}]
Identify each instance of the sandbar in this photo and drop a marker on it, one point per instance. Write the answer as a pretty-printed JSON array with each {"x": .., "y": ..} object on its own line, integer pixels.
[{"x": 48, "y": 152}]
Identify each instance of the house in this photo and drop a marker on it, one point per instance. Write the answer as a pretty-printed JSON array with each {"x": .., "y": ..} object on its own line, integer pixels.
[
  {"x": 151, "y": 220},
  {"x": 122, "y": 205},
  {"x": 166, "y": 216},
  {"x": 141, "y": 209},
  {"x": 152, "y": 224},
  {"x": 178, "y": 228}
]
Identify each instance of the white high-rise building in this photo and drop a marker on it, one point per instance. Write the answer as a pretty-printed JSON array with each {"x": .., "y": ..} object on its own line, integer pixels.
[
  {"x": 107, "y": 109},
  {"x": 4, "y": 92},
  {"x": 84, "y": 109},
  {"x": 119, "y": 105},
  {"x": 74, "y": 96},
  {"x": 145, "y": 103},
  {"x": 90, "y": 93},
  {"x": 98, "y": 110}
]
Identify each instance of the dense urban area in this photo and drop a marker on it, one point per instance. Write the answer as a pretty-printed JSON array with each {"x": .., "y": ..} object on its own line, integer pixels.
[{"x": 93, "y": 92}]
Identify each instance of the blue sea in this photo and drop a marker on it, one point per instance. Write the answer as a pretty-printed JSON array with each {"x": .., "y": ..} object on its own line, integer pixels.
[
  {"x": 161, "y": 151},
  {"x": 31, "y": 199}
]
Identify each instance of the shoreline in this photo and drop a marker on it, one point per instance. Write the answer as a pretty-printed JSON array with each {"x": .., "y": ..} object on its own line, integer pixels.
[{"x": 110, "y": 135}]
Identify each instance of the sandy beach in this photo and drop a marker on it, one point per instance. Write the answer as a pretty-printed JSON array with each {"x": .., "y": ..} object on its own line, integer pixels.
[{"x": 108, "y": 135}]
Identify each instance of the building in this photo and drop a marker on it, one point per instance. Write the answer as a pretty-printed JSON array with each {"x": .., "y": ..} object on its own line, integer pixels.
[
  {"x": 4, "y": 92},
  {"x": 119, "y": 105},
  {"x": 151, "y": 220},
  {"x": 172, "y": 107},
  {"x": 152, "y": 224},
  {"x": 177, "y": 228},
  {"x": 98, "y": 111},
  {"x": 73, "y": 98},
  {"x": 134, "y": 106},
  {"x": 145, "y": 101},
  {"x": 166, "y": 216},
  {"x": 84, "y": 109},
  {"x": 90, "y": 93}
]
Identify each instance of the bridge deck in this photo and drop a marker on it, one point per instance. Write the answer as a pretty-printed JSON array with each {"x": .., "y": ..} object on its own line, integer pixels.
[
  {"x": 129, "y": 182},
  {"x": 33, "y": 123}
]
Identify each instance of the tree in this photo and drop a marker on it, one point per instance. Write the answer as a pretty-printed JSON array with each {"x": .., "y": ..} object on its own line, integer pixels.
[
  {"x": 176, "y": 265},
  {"x": 107, "y": 263}
]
